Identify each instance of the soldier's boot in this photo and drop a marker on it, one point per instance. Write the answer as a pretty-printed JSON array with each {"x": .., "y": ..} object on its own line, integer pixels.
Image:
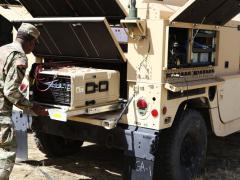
[
  {"x": 7, "y": 160},
  {"x": 4, "y": 174}
]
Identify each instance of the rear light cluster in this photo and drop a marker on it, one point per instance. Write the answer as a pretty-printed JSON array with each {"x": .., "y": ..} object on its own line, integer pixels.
[
  {"x": 154, "y": 113},
  {"x": 143, "y": 106}
]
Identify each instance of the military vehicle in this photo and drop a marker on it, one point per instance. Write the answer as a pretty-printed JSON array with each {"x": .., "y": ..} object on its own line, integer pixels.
[{"x": 178, "y": 66}]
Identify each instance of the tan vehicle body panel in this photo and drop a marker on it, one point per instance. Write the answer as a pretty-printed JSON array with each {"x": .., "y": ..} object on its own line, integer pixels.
[
  {"x": 225, "y": 116},
  {"x": 147, "y": 65}
]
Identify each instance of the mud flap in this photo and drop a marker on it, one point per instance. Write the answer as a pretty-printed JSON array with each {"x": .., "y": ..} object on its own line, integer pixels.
[
  {"x": 21, "y": 123},
  {"x": 137, "y": 169}
]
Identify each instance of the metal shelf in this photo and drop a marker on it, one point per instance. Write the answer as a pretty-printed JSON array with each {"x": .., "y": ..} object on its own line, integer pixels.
[{"x": 61, "y": 113}]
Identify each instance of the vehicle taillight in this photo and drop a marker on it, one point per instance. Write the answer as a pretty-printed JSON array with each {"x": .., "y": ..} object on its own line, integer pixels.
[
  {"x": 154, "y": 113},
  {"x": 142, "y": 104}
]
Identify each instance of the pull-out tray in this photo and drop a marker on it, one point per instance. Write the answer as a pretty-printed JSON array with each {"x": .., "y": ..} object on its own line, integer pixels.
[{"x": 62, "y": 113}]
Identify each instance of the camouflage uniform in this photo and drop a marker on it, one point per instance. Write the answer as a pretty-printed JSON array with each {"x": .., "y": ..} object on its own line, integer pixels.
[{"x": 13, "y": 64}]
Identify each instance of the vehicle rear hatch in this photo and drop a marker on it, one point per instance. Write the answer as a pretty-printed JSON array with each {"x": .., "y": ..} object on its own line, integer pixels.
[
  {"x": 111, "y": 9},
  {"x": 83, "y": 39},
  {"x": 212, "y": 12}
]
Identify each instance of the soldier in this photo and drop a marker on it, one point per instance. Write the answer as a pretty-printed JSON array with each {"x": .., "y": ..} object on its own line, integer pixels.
[{"x": 13, "y": 64}]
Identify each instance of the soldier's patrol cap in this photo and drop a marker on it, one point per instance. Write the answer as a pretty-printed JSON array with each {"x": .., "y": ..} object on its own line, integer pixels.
[{"x": 28, "y": 29}]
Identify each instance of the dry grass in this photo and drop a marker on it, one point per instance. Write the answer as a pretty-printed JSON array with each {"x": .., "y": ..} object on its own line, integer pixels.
[
  {"x": 223, "y": 163},
  {"x": 223, "y": 158}
]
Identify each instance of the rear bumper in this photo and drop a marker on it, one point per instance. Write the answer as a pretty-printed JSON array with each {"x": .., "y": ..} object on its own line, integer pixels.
[{"x": 136, "y": 142}]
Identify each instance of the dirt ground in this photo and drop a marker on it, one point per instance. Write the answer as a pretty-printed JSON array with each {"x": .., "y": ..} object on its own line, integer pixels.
[{"x": 100, "y": 163}]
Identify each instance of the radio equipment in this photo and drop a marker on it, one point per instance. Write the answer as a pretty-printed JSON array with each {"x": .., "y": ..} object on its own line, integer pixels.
[{"x": 76, "y": 86}]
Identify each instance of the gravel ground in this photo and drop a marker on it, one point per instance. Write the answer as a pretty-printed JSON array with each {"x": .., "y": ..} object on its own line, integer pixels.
[
  {"x": 93, "y": 162},
  {"x": 99, "y": 163}
]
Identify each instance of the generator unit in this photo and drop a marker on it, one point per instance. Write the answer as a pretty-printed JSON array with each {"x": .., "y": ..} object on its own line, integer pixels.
[{"x": 76, "y": 86}]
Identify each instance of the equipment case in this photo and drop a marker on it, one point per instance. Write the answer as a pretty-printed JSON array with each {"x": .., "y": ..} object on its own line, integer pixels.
[{"x": 77, "y": 87}]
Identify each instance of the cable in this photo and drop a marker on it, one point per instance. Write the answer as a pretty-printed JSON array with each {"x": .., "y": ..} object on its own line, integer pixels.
[
  {"x": 145, "y": 59},
  {"x": 50, "y": 85},
  {"x": 194, "y": 36},
  {"x": 41, "y": 81}
]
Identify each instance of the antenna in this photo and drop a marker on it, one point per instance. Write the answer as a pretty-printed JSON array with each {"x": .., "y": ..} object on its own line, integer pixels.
[{"x": 132, "y": 10}]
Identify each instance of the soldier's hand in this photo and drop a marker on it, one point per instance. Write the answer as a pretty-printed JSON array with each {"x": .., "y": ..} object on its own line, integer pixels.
[{"x": 39, "y": 110}]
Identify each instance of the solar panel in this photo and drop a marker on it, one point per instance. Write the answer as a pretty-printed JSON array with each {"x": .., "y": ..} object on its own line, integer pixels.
[
  {"x": 213, "y": 12},
  {"x": 76, "y": 38},
  {"x": 75, "y": 8},
  {"x": 12, "y": 2}
]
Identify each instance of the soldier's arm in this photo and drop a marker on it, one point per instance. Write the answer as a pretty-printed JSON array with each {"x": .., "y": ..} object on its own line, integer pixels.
[{"x": 13, "y": 80}]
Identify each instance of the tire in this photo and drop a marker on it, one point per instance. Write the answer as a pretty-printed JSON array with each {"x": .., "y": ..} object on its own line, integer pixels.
[
  {"x": 55, "y": 146},
  {"x": 182, "y": 148}
]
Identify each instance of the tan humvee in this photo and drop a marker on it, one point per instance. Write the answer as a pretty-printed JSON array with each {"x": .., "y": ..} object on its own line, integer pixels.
[{"x": 180, "y": 79}]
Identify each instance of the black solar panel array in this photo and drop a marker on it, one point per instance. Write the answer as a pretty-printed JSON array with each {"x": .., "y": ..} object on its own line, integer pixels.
[
  {"x": 214, "y": 12},
  {"x": 12, "y": 2},
  {"x": 75, "y": 38},
  {"x": 75, "y": 8}
]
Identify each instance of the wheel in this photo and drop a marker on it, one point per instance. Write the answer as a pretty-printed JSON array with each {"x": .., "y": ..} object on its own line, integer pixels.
[
  {"x": 52, "y": 145},
  {"x": 182, "y": 148}
]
